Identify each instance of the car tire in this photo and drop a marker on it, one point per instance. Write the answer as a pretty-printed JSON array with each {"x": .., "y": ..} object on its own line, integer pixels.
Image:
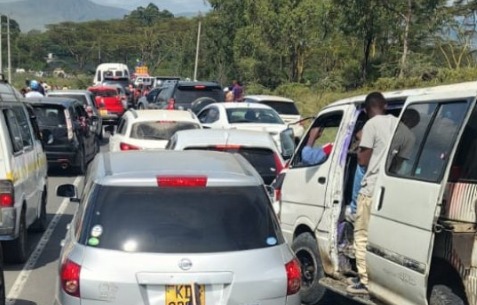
[
  {"x": 306, "y": 250},
  {"x": 81, "y": 168},
  {"x": 41, "y": 222},
  {"x": 443, "y": 295},
  {"x": 15, "y": 251}
]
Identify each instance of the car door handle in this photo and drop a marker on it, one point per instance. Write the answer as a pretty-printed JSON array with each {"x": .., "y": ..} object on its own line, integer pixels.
[
  {"x": 380, "y": 202},
  {"x": 322, "y": 180}
]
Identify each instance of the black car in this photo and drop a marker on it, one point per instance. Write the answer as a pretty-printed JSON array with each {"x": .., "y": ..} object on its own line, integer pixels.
[
  {"x": 67, "y": 131},
  {"x": 189, "y": 95}
]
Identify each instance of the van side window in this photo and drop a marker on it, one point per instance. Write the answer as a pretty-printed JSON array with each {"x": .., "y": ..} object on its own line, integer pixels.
[
  {"x": 330, "y": 124},
  {"x": 24, "y": 126},
  {"x": 13, "y": 130},
  {"x": 430, "y": 131}
]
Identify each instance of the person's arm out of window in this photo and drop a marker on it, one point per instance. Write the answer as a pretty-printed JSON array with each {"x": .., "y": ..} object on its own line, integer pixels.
[{"x": 313, "y": 155}]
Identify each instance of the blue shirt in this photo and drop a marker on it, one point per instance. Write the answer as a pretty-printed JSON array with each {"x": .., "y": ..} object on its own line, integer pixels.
[
  {"x": 358, "y": 177},
  {"x": 313, "y": 156}
]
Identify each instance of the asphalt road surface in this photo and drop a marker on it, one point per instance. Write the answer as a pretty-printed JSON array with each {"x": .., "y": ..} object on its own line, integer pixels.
[{"x": 34, "y": 283}]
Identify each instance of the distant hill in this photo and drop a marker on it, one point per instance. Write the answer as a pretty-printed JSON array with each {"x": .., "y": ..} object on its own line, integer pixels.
[{"x": 35, "y": 14}]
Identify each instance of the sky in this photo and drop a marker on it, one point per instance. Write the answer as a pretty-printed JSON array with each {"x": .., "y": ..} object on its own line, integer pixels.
[{"x": 175, "y": 6}]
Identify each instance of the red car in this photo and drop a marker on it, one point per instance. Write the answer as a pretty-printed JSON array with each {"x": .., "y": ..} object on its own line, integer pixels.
[{"x": 109, "y": 102}]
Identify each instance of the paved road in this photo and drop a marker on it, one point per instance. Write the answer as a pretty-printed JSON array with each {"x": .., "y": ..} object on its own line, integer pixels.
[{"x": 34, "y": 282}]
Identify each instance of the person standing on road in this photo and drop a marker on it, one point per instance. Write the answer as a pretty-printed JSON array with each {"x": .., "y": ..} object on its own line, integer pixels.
[
  {"x": 35, "y": 90},
  {"x": 237, "y": 90},
  {"x": 377, "y": 132}
]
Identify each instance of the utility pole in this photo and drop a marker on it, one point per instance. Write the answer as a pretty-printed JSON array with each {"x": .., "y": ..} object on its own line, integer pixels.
[
  {"x": 196, "y": 66},
  {"x": 9, "y": 51}
]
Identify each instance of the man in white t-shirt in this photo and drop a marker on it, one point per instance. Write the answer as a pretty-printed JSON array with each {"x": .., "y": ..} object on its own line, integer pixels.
[
  {"x": 35, "y": 90},
  {"x": 377, "y": 133}
]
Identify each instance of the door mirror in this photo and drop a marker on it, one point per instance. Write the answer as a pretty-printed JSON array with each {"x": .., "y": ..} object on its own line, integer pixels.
[
  {"x": 287, "y": 142},
  {"x": 68, "y": 191},
  {"x": 109, "y": 129}
]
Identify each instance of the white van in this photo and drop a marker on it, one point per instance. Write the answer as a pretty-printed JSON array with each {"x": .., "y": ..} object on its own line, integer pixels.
[
  {"x": 23, "y": 175},
  {"x": 110, "y": 70},
  {"x": 422, "y": 236}
]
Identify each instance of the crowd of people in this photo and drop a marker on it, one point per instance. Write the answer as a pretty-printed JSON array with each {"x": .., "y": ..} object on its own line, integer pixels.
[{"x": 38, "y": 89}]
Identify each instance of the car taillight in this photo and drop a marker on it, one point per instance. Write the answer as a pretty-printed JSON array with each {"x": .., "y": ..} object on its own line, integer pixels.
[
  {"x": 293, "y": 277},
  {"x": 125, "y": 146},
  {"x": 278, "y": 164},
  {"x": 69, "y": 125},
  {"x": 181, "y": 181},
  {"x": 7, "y": 195},
  {"x": 170, "y": 104},
  {"x": 70, "y": 278}
]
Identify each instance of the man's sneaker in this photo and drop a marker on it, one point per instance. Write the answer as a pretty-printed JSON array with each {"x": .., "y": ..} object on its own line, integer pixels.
[
  {"x": 358, "y": 289},
  {"x": 352, "y": 281}
]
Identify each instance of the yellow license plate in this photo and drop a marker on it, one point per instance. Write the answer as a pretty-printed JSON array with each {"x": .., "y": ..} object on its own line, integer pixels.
[
  {"x": 103, "y": 112},
  {"x": 182, "y": 295}
]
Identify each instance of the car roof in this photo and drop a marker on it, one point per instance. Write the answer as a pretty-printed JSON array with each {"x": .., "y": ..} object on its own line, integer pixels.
[
  {"x": 400, "y": 95},
  {"x": 183, "y": 83},
  {"x": 141, "y": 168},
  {"x": 159, "y": 114},
  {"x": 241, "y": 105},
  {"x": 65, "y": 102},
  {"x": 210, "y": 137},
  {"x": 71, "y": 92},
  {"x": 274, "y": 98}
]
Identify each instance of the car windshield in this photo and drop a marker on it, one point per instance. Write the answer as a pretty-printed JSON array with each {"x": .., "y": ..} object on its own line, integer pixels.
[
  {"x": 78, "y": 97},
  {"x": 159, "y": 130},
  {"x": 262, "y": 159},
  {"x": 188, "y": 94},
  {"x": 49, "y": 115},
  {"x": 285, "y": 108},
  {"x": 253, "y": 115},
  {"x": 105, "y": 93},
  {"x": 178, "y": 220}
]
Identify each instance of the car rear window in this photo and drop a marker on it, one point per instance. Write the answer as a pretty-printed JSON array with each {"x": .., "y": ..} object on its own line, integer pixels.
[
  {"x": 253, "y": 115},
  {"x": 262, "y": 159},
  {"x": 282, "y": 107},
  {"x": 78, "y": 97},
  {"x": 159, "y": 130},
  {"x": 105, "y": 93},
  {"x": 188, "y": 94},
  {"x": 49, "y": 115},
  {"x": 180, "y": 220}
]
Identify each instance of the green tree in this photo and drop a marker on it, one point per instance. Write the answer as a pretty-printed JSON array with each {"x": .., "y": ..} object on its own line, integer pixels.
[{"x": 149, "y": 15}]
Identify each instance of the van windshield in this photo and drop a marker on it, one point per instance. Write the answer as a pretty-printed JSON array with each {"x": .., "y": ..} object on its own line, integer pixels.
[
  {"x": 181, "y": 220},
  {"x": 159, "y": 130}
]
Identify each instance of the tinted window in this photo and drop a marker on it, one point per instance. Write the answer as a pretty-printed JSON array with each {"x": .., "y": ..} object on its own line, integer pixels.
[
  {"x": 178, "y": 220},
  {"x": 263, "y": 160},
  {"x": 253, "y": 115},
  {"x": 105, "y": 93},
  {"x": 13, "y": 130},
  {"x": 78, "y": 97},
  {"x": 464, "y": 168},
  {"x": 424, "y": 140},
  {"x": 282, "y": 107},
  {"x": 23, "y": 122},
  {"x": 50, "y": 115},
  {"x": 188, "y": 94},
  {"x": 159, "y": 130}
]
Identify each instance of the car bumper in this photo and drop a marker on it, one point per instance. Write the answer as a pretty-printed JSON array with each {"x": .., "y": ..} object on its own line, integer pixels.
[
  {"x": 8, "y": 224},
  {"x": 62, "y": 159}
]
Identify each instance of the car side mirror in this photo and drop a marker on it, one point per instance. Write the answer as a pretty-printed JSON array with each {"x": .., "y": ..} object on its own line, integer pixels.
[
  {"x": 287, "y": 143},
  {"x": 109, "y": 129},
  {"x": 68, "y": 191}
]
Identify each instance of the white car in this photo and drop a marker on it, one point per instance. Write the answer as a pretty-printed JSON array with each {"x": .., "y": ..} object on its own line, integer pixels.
[
  {"x": 149, "y": 129},
  {"x": 243, "y": 116},
  {"x": 285, "y": 107},
  {"x": 257, "y": 147}
]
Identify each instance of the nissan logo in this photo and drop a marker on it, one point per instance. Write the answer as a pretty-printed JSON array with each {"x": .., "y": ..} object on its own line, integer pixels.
[{"x": 185, "y": 264}]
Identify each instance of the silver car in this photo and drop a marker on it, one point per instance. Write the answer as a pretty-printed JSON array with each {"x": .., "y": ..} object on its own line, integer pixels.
[{"x": 175, "y": 228}]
